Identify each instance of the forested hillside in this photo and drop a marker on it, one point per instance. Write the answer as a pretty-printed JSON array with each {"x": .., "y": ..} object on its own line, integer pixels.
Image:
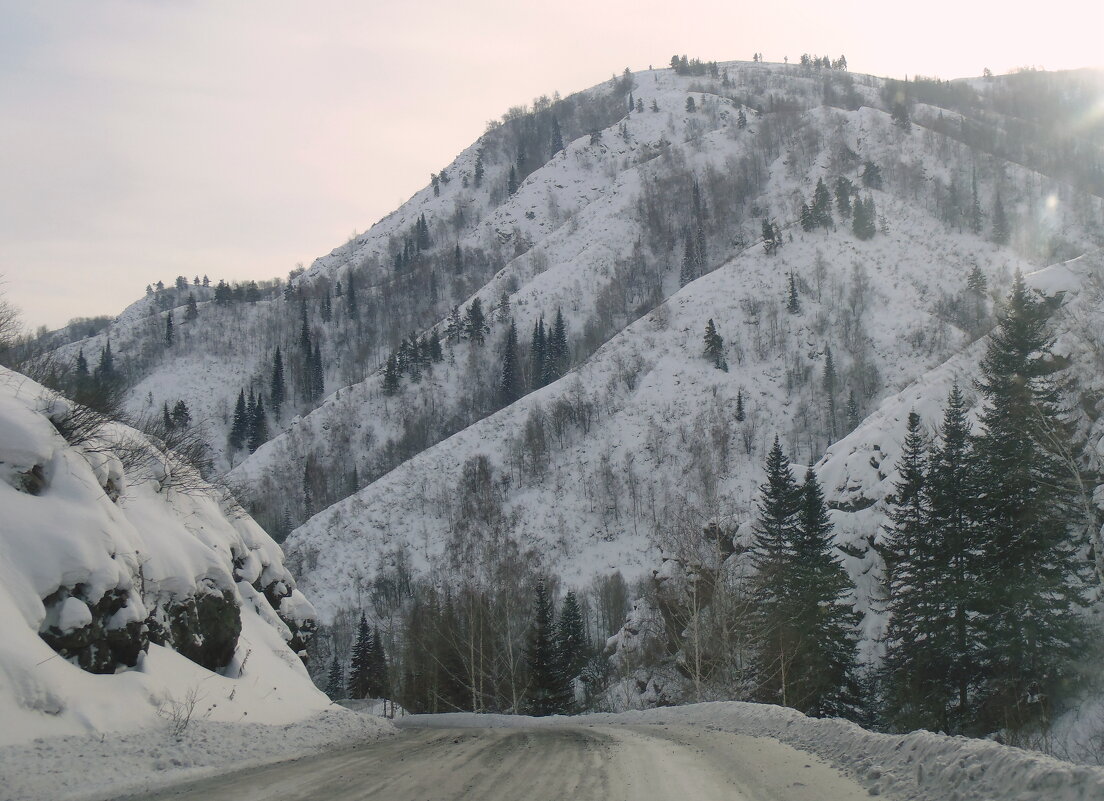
[{"x": 576, "y": 358}]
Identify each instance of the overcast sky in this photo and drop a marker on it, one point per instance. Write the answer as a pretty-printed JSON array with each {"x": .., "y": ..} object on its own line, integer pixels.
[{"x": 143, "y": 139}]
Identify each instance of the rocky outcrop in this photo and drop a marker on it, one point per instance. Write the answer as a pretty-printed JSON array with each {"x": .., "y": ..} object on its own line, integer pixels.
[
  {"x": 203, "y": 627},
  {"x": 103, "y": 636}
]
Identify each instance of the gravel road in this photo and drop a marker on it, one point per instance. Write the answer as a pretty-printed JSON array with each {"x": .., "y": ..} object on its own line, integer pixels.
[{"x": 588, "y": 762}]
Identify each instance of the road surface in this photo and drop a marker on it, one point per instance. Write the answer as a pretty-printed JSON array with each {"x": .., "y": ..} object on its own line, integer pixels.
[{"x": 583, "y": 762}]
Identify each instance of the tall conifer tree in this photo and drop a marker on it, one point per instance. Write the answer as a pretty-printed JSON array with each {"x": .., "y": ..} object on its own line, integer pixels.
[
  {"x": 1034, "y": 579},
  {"x": 360, "y": 666},
  {"x": 509, "y": 386},
  {"x": 823, "y": 676},
  {"x": 549, "y": 692},
  {"x": 278, "y": 389}
]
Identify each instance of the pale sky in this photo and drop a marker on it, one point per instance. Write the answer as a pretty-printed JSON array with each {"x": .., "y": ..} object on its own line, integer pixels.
[{"x": 143, "y": 139}]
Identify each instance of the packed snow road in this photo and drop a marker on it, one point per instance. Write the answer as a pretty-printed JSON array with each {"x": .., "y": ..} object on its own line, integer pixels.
[{"x": 589, "y": 762}]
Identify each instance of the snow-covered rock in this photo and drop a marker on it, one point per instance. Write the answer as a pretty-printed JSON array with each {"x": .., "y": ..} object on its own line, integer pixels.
[{"x": 129, "y": 588}]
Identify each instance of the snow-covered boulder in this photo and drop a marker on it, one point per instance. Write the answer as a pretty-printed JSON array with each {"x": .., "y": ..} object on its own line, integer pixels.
[{"x": 128, "y": 584}]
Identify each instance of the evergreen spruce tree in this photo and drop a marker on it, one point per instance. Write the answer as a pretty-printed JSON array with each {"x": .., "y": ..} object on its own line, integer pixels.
[
  {"x": 421, "y": 236},
  {"x": 502, "y": 310},
  {"x": 571, "y": 636},
  {"x": 538, "y": 354},
  {"x": 457, "y": 260},
  {"x": 557, "y": 138},
  {"x": 166, "y": 418},
  {"x": 278, "y": 389},
  {"x": 822, "y": 205},
  {"x": 181, "y": 417},
  {"x": 776, "y": 583},
  {"x": 699, "y": 249},
  {"x": 258, "y": 431},
  {"x": 511, "y": 181},
  {"x": 852, "y": 412},
  {"x": 105, "y": 370},
  {"x": 304, "y": 330},
  {"x": 823, "y": 671},
  {"x": 318, "y": 374},
  {"x": 572, "y": 644},
  {"x": 548, "y": 372},
  {"x": 391, "y": 375},
  {"x": 740, "y": 413},
  {"x": 191, "y": 311},
  {"x": 478, "y": 172},
  {"x": 686, "y": 272},
  {"x": 844, "y": 189},
  {"x": 793, "y": 302},
  {"x": 864, "y": 223},
  {"x": 454, "y": 328},
  {"x": 360, "y": 666},
  {"x": 335, "y": 681},
  {"x": 169, "y": 334},
  {"x": 1000, "y": 223},
  {"x": 82, "y": 365},
  {"x": 828, "y": 382},
  {"x": 900, "y": 116},
  {"x": 714, "y": 347},
  {"x": 549, "y": 692},
  {"x": 510, "y": 384},
  {"x": 475, "y": 324},
  {"x": 239, "y": 428},
  {"x": 380, "y": 673},
  {"x": 871, "y": 176},
  {"x": 935, "y": 572},
  {"x": 1034, "y": 578},
  {"x": 308, "y": 493},
  {"x": 808, "y": 220},
  {"x": 952, "y": 497},
  {"x": 914, "y": 690},
  {"x": 557, "y": 346}
]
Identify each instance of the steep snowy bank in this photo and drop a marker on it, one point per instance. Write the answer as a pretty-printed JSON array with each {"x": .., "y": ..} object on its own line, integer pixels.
[{"x": 132, "y": 597}]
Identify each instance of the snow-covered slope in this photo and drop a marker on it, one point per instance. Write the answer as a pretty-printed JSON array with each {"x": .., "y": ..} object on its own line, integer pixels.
[
  {"x": 131, "y": 592},
  {"x": 640, "y": 437},
  {"x": 599, "y": 468},
  {"x": 860, "y": 470}
]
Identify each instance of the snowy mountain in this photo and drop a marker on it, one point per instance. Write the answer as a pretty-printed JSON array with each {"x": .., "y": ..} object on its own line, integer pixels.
[{"x": 638, "y": 224}]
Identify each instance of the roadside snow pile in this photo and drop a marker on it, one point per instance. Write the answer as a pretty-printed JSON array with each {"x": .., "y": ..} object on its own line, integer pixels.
[
  {"x": 912, "y": 767},
  {"x": 918, "y": 766},
  {"x": 75, "y": 768},
  {"x": 133, "y": 598}
]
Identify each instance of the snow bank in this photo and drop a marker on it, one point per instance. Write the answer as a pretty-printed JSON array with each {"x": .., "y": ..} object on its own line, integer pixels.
[
  {"x": 132, "y": 597},
  {"x": 918, "y": 767},
  {"x": 78, "y": 767}
]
